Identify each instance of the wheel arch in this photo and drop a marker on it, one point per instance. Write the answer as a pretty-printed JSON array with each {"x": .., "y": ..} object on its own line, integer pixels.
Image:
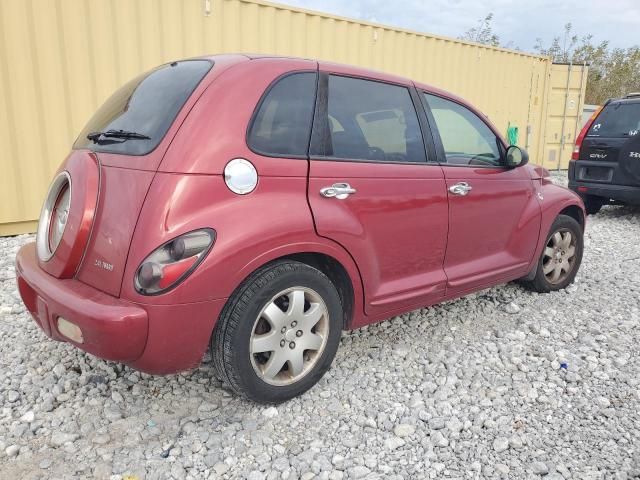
[
  {"x": 336, "y": 264},
  {"x": 575, "y": 212},
  {"x": 338, "y": 275},
  {"x": 557, "y": 201}
]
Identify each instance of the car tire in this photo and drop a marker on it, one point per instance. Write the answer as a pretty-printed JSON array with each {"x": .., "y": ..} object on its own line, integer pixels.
[
  {"x": 286, "y": 313},
  {"x": 593, "y": 204},
  {"x": 561, "y": 256}
]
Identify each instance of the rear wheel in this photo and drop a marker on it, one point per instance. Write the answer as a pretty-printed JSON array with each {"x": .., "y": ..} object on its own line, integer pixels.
[
  {"x": 561, "y": 256},
  {"x": 278, "y": 333},
  {"x": 593, "y": 204}
]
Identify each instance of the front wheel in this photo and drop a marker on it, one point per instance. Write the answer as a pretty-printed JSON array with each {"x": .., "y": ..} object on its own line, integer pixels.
[
  {"x": 278, "y": 333},
  {"x": 561, "y": 256}
]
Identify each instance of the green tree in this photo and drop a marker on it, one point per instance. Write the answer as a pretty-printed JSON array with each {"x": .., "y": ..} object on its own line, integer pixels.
[
  {"x": 613, "y": 72},
  {"x": 561, "y": 48},
  {"x": 483, "y": 33}
]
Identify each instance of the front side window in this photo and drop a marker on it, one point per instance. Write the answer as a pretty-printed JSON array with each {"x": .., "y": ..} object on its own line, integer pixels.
[
  {"x": 372, "y": 121},
  {"x": 136, "y": 117},
  {"x": 466, "y": 139},
  {"x": 282, "y": 124}
]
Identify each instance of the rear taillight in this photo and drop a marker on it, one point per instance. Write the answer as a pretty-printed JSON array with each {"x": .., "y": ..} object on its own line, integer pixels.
[
  {"x": 174, "y": 261},
  {"x": 583, "y": 133}
]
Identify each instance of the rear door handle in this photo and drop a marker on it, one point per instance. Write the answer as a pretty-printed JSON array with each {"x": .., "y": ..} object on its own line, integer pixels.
[
  {"x": 337, "y": 190},
  {"x": 462, "y": 189}
]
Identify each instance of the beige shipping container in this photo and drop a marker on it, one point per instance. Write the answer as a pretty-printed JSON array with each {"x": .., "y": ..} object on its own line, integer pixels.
[
  {"x": 564, "y": 115},
  {"x": 60, "y": 59}
]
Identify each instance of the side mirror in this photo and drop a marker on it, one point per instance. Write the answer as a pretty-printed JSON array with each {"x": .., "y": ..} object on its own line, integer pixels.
[{"x": 516, "y": 157}]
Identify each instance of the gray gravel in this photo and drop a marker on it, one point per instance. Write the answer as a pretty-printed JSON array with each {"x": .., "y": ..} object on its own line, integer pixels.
[{"x": 503, "y": 383}]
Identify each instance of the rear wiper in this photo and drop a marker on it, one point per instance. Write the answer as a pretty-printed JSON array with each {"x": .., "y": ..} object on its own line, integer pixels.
[{"x": 97, "y": 137}]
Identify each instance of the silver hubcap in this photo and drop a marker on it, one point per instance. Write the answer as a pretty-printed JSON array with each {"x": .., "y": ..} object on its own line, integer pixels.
[
  {"x": 559, "y": 256},
  {"x": 289, "y": 336}
]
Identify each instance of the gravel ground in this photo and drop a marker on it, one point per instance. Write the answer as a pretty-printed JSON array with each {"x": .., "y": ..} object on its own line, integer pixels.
[{"x": 503, "y": 383}]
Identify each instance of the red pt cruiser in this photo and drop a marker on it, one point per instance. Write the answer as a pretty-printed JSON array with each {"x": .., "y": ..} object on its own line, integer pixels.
[{"x": 261, "y": 205}]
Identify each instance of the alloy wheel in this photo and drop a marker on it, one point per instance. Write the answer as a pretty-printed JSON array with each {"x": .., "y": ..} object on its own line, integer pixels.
[
  {"x": 559, "y": 256},
  {"x": 289, "y": 336}
]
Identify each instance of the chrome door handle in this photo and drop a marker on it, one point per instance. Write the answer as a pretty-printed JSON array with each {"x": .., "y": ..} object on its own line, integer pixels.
[
  {"x": 462, "y": 188},
  {"x": 337, "y": 190}
]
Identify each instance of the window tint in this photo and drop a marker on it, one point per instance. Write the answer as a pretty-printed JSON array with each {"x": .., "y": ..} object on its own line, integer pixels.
[
  {"x": 617, "y": 120},
  {"x": 466, "y": 139},
  {"x": 373, "y": 121},
  {"x": 148, "y": 105},
  {"x": 282, "y": 126}
]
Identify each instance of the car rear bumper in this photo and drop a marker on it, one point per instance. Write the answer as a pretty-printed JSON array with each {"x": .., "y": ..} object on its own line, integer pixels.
[
  {"x": 152, "y": 338},
  {"x": 602, "y": 179},
  {"x": 621, "y": 193}
]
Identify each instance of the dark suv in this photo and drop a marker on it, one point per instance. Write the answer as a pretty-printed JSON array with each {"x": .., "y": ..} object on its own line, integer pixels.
[{"x": 605, "y": 166}]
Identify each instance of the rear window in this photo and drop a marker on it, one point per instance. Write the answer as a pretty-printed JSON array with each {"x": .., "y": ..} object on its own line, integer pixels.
[
  {"x": 617, "y": 120},
  {"x": 147, "y": 105}
]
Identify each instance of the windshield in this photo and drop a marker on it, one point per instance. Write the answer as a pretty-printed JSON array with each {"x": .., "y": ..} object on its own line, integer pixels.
[
  {"x": 147, "y": 105},
  {"x": 617, "y": 120}
]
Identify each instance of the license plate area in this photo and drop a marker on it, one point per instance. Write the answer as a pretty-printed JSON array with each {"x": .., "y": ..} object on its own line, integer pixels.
[{"x": 594, "y": 173}]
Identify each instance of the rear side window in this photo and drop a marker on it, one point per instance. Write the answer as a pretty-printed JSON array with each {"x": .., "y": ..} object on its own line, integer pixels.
[
  {"x": 147, "y": 105},
  {"x": 617, "y": 120},
  {"x": 372, "y": 121},
  {"x": 466, "y": 139},
  {"x": 282, "y": 124}
]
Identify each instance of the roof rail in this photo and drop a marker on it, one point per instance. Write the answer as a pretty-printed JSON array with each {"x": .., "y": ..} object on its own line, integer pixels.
[{"x": 633, "y": 95}]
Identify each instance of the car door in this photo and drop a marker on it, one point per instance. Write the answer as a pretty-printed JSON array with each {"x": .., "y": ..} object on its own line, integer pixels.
[
  {"x": 373, "y": 190},
  {"x": 494, "y": 214}
]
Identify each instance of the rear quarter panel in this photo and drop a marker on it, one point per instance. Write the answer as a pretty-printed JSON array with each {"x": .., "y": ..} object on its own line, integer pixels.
[
  {"x": 189, "y": 192},
  {"x": 271, "y": 222}
]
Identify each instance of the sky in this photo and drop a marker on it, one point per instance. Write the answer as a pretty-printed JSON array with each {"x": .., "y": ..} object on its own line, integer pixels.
[{"x": 520, "y": 22}]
